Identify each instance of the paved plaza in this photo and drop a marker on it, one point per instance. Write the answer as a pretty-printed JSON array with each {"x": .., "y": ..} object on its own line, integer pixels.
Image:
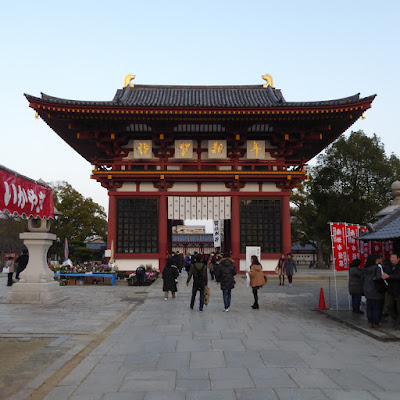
[{"x": 127, "y": 343}]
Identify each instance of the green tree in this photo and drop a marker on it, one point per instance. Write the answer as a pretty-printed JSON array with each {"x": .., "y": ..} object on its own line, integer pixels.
[
  {"x": 10, "y": 228},
  {"x": 80, "y": 217},
  {"x": 349, "y": 183}
]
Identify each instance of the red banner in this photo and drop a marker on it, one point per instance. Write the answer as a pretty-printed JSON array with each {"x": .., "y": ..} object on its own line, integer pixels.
[
  {"x": 352, "y": 244},
  {"x": 365, "y": 247},
  {"x": 23, "y": 196},
  {"x": 339, "y": 246},
  {"x": 387, "y": 249}
]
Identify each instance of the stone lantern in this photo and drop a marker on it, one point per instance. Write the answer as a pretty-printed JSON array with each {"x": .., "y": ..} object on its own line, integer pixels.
[{"x": 37, "y": 284}]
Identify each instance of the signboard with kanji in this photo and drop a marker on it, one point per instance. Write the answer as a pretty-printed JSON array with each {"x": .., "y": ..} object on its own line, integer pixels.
[{"x": 23, "y": 196}]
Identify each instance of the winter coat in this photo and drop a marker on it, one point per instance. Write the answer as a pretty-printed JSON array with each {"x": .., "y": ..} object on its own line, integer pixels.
[
  {"x": 169, "y": 275},
  {"x": 289, "y": 266},
  {"x": 10, "y": 265},
  {"x": 369, "y": 275},
  {"x": 394, "y": 279},
  {"x": 256, "y": 275},
  {"x": 355, "y": 281},
  {"x": 194, "y": 271},
  {"x": 279, "y": 267},
  {"x": 225, "y": 274},
  {"x": 22, "y": 262}
]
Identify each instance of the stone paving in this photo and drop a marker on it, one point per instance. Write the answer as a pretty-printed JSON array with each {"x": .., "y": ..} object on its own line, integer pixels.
[{"x": 164, "y": 350}]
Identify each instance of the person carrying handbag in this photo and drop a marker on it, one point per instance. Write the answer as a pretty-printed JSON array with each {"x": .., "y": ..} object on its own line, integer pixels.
[{"x": 257, "y": 279}]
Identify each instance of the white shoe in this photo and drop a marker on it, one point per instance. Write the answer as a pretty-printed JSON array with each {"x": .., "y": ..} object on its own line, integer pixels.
[
  {"x": 290, "y": 285},
  {"x": 227, "y": 309},
  {"x": 166, "y": 299}
]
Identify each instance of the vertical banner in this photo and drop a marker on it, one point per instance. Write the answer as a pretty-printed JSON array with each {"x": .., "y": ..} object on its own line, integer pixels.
[
  {"x": 352, "y": 244},
  {"x": 217, "y": 233},
  {"x": 387, "y": 249},
  {"x": 376, "y": 247},
  {"x": 365, "y": 247},
  {"x": 339, "y": 247}
]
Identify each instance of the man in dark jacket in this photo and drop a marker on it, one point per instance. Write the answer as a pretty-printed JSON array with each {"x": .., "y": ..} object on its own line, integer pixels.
[
  {"x": 224, "y": 275},
  {"x": 199, "y": 272},
  {"x": 289, "y": 267},
  {"x": 392, "y": 295},
  {"x": 22, "y": 262}
]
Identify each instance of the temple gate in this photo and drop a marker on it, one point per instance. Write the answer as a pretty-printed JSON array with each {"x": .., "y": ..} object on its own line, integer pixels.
[{"x": 236, "y": 151}]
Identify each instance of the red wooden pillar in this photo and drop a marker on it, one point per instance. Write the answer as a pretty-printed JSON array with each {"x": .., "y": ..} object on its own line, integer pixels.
[
  {"x": 235, "y": 231},
  {"x": 162, "y": 231},
  {"x": 286, "y": 229},
  {"x": 112, "y": 222}
]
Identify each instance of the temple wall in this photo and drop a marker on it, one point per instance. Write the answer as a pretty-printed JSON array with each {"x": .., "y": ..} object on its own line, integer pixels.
[
  {"x": 132, "y": 264},
  {"x": 268, "y": 265}
]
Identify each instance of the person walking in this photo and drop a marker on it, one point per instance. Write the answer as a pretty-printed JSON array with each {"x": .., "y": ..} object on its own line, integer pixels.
[
  {"x": 22, "y": 262},
  {"x": 224, "y": 276},
  {"x": 199, "y": 273},
  {"x": 392, "y": 295},
  {"x": 289, "y": 267},
  {"x": 10, "y": 264},
  {"x": 170, "y": 278},
  {"x": 257, "y": 280},
  {"x": 355, "y": 285},
  {"x": 372, "y": 273},
  {"x": 279, "y": 270}
]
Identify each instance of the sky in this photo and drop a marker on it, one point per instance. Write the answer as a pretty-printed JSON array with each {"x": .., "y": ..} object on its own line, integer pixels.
[{"x": 82, "y": 50}]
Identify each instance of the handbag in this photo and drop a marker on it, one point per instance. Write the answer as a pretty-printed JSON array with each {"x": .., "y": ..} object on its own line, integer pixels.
[
  {"x": 206, "y": 295},
  {"x": 6, "y": 270}
]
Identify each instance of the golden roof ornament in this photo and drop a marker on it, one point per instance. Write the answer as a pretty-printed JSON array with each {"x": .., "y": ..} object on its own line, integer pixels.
[
  {"x": 268, "y": 79},
  {"x": 128, "y": 79}
]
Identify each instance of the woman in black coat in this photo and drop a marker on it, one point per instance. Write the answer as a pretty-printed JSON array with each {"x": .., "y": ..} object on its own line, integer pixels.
[
  {"x": 170, "y": 278},
  {"x": 371, "y": 273},
  {"x": 355, "y": 285},
  {"x": 224, "y": 275}
]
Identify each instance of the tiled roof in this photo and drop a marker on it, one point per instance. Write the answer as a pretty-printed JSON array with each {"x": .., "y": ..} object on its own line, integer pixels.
[
  {"x": 386, "y": 228},
  {"x": 306, "y": 247},
  {"x": 253, "y": 96}
]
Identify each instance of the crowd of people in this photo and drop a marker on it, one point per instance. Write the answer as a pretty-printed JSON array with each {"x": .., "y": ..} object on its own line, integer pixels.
[
  {"x": 222, "y": 269},
  {"x": 379, "y": 282}
]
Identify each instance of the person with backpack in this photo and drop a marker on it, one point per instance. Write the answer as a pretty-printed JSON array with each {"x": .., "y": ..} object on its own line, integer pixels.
[
  {"x": 199, "y": 272},
  {"x": 225, "y": 277}
]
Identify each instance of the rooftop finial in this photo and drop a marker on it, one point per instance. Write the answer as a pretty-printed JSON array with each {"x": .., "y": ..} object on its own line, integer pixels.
[
  {"x": 128, "y": 80},
  {"x": 268, "y": 79}
]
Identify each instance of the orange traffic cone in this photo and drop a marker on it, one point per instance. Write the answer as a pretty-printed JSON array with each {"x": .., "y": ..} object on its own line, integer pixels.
[{"x": 321, "y": 305}]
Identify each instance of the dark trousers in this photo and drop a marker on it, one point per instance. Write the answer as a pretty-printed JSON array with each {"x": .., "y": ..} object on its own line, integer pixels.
[
  {"x": 255, "y": 294},
  {"x": 281, "y": 279},
  {"x": 290, "y": 278},
  {"x": 10, "y": 279},
  {"x": 226, "y": 294},
  {"x": 392, "y": 305},
  {"x": 356, "y": 301},
  {"x": 374, "y": 311},
  {"x": 194, "y": 292}
]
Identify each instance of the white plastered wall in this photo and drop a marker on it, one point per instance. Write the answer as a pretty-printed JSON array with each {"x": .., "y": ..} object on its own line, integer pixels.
[
  {"x": 268, "y": 265},
  {"x": 131, "y": 265}
]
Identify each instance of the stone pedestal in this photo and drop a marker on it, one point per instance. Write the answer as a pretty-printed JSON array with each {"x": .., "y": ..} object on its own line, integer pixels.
[{"x": 37, "y": 284}]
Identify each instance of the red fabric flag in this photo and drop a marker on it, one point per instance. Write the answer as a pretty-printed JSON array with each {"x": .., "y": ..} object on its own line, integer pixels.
[
  {"x": 365, "y": 247},
  {"x": 24, "y": 197},
  {"x": 352, "y": 244},
  {"x": 339, "y": 246}
]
